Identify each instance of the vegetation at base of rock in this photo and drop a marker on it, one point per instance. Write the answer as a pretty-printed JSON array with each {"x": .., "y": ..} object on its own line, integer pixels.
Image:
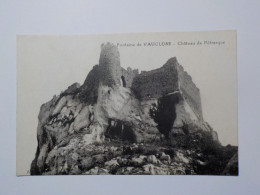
[{"x": 196, "y": 153}]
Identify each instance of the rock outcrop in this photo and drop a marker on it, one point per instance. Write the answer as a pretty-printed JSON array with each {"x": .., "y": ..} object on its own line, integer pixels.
[{"x": 123, "y": 122}]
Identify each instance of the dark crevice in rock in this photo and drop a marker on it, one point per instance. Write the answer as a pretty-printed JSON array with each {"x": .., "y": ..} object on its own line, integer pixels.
[{"x": 118, "y": 129}]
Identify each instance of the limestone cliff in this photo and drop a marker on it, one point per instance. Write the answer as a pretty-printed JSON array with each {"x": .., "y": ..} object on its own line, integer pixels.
[{"x": 123, "y": 122}]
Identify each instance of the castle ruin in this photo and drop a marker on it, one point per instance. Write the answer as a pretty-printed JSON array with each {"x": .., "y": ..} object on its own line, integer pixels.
[
  {"x": 116, "y": 104},
  {"x": 169, "y": 80}
]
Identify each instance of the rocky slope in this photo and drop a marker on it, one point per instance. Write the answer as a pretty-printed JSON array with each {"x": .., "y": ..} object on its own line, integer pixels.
[{"x": 102, "y": 127}]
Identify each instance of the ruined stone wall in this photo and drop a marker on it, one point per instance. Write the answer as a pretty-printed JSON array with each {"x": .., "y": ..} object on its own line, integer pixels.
[
  {"x": 158, "y": 82},
  {"x": 128, "y": 76},
  {"x": 170, "y": 78},
  {"x": 190, "y": 92}
]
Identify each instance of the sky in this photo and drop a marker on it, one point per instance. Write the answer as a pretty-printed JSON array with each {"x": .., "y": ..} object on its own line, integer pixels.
[{"x": 48, "y": 64}]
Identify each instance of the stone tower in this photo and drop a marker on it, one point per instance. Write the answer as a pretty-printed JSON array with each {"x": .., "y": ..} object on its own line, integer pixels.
[{"x": 109, "y": 63}]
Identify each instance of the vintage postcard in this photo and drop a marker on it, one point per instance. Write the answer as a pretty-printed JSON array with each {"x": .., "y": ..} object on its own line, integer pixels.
[{"x": 127, "y": 104}]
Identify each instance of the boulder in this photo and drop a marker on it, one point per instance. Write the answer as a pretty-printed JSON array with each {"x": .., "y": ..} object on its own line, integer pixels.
[
  {"x": 111, "y": 164},
  {"x": 152, "y": 159},
  {"x": 138, "y": 161},
  {"x": 165, "y": 158}
]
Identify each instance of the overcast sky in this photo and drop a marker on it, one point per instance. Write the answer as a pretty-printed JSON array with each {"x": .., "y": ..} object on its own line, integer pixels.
[{"x": 46, "y": 65}]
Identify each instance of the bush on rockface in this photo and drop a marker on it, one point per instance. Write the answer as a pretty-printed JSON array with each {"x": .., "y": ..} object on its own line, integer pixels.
[
  {"x": 164, "y": 114},
  {"x": 214, "y": 154},
  {"x": 212, "y": 158}
]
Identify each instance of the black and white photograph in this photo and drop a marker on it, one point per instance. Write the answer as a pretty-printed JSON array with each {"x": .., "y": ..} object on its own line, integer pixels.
[
  {"x": 129, "y": 97},
  {"x": 127, "y": 104}
]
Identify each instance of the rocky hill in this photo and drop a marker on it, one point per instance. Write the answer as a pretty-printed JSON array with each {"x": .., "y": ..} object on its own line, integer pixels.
[{"x": 125, "y": 122}]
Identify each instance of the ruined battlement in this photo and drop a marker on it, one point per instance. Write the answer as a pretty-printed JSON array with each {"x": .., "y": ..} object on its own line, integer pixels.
[
  {"x": 153, "y": 84},
  {"x": 168, "y": 79},
  {"x": 156, "y": 83}
]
